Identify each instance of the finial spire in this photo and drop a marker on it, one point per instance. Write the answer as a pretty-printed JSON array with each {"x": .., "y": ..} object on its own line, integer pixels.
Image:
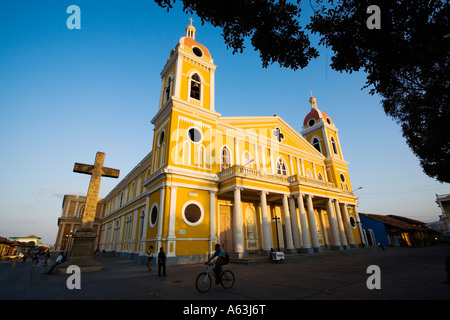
[
  {"x": 313, "y": 101},
  {"x": 190, "y": 30}
]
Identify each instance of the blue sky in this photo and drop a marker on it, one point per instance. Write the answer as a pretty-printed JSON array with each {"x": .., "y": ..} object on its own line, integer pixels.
[{"x": 66, "y": 94}]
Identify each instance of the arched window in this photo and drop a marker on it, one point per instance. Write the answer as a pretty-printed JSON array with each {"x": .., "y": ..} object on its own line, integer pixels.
[
  {"x": 225, "y": 158},
  {"x": 141, "y": 224},
  {"x": 333, "y": 144},
  {"x": 316, "y": 143},
  {"x": 132, "y": 189},
  {"x": 168, "y": 89},
  {"x": 195, "y": 87},
  {"x": 281, "y": 167},
  {"x": 128, "y": 221}
]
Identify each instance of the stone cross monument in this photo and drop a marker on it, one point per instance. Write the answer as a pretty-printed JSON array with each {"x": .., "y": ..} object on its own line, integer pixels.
[{"x": 84, "y": 238}]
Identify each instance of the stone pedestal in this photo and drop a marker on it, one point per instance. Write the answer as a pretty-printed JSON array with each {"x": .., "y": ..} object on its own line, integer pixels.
[{"x": 82, "y": 253}]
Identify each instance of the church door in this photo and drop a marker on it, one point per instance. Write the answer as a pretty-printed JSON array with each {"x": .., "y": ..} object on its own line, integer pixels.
[{"x": 226, "y": 228}]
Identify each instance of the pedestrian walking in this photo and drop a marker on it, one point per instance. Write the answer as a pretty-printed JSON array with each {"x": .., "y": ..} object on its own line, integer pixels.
[
  {"x": 35, "y": 259},
  {"x": 46, "y": 257},
  {"x": 149, "y": 258},
  {"x": 161, "y": 262}
]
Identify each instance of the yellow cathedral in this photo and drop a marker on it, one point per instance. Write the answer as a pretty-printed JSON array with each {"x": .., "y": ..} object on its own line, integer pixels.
[{"x": 251, "y": 184}]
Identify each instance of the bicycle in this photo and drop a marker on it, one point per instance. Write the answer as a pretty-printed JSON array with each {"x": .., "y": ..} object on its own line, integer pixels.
[{"x": 204, "y": 281}]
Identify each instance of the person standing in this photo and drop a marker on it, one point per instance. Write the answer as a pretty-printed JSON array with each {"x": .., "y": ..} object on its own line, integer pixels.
[
  {"x": 150, "y": 258},
  {"x": 161, "y": 262}
]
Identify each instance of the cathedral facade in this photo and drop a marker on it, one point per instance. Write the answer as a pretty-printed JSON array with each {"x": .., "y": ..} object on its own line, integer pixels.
[{"x": 251, "y": 184}]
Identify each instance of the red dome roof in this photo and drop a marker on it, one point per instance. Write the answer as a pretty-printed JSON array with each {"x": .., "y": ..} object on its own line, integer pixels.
[
  {"x": 316, "y": 114},
  {"x": 191, "y": 43}
]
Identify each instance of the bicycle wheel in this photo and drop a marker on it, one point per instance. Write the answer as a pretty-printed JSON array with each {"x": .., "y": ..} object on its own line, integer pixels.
[
  {"x": 227, "y": 279},
  {"x": 203, "y": 282}
]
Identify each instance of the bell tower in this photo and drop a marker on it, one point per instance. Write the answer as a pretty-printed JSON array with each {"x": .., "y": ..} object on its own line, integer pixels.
[
  {"x": 188, "y": 75},
  {"x": 185, "y": 119},
  {"x": 320, "y": 131}
]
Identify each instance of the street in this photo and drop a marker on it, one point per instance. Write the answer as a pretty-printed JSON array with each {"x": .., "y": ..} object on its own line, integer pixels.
[{"x": 403, "y": 274}]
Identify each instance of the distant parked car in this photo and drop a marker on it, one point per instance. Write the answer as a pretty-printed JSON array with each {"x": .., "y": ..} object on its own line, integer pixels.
[{"x": 441, "y": 239}]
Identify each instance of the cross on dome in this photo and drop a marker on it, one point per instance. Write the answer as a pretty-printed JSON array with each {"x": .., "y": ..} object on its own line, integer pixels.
[
  {"x": 190, "y": 30},
  {"x": 313, "y": 101}
]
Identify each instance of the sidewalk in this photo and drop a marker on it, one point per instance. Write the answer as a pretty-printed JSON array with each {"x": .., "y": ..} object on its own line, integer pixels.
[{"x": 406, "y": 274}]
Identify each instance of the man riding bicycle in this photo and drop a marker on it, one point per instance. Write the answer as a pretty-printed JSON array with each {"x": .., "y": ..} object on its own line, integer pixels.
[{"x": 220, "y": 261}]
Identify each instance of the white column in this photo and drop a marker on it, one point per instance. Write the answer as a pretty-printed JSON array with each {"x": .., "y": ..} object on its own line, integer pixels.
[
  {"x": 144, "y": 230},
  {"x": 171, "y": 237},
  {"x": 237, "y": 154},
  {"x": 295, "y": 224},
  {"x": 212, "y": 220},
  {"x": 238, "y": 224},
  {"x": 340, "y": 224},
  {"x": 358, "y": 223},
  {"x": 312, "y": 222},
  {"x": 335, "y": 243},
  {"x": 348, "y": 226},
  {"x": 287, "y": 225},
  {"x": 306, "y": 241},
  {"x": 267, "y": 236},
  {"x": 212, "y": 90}
]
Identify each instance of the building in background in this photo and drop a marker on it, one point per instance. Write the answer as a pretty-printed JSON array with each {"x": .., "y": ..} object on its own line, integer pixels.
[
  {"x": 250, "y": 184},
  {"x": 396, "y": 231},
  {"x": 443, "y": 202}
]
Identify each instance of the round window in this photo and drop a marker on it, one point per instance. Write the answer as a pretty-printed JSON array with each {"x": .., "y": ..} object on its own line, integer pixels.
[
  {"x": 328, "y": 121},
  {"x": 197, "y": 51},
  {"x": 352, "y": 222},
  {"x": 154, "y": 215},
  {"x": 195, "y": 135},
  {"x": 342, "y": 177},
  {"x": 192, "y": 213},
  {"x": 311, "y": 122}
]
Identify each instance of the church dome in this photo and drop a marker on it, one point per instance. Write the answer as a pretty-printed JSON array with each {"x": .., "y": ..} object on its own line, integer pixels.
[
  {"x": 189, "y": 41},
  {"x": 197, "y": 48},
  {"x": 315, "y": 115}
]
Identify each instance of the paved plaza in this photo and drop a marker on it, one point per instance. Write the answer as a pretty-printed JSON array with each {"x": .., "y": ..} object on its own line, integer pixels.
[{"x": 406, "y": 274}]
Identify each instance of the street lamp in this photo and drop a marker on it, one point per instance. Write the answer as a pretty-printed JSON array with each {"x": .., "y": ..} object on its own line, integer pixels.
[
  {"x": 276, "y": 219},
  {"x": 251, "y": 160}
]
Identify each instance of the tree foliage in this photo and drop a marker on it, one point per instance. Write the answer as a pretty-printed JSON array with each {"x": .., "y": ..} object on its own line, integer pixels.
[
  {"x": 406, "y": 60},
  {"x": 272, "y": 27},
  {"x": 407, "y": 64}
]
